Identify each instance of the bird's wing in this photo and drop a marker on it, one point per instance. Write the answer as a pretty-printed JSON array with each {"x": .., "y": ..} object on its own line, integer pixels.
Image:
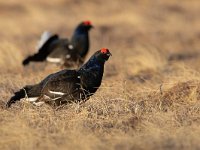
[
  {"x": 65, "y": 82},
  {"x": 81, "y": 45},
  {"x": 61, "y": 49}
]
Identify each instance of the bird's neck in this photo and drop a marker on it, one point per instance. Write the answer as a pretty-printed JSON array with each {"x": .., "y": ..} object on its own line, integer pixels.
[
  {"x": 91, "y": 75},
  {"x": 80, "y": 41}
]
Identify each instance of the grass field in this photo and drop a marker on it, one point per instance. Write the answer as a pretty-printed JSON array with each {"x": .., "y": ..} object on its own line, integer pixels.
[{"x": 150, "y": 94}]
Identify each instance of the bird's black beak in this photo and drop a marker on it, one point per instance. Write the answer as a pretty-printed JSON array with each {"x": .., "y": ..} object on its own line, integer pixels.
[
  {"x": 109, "y": 54},
  {"x": 91, "y": 26}
]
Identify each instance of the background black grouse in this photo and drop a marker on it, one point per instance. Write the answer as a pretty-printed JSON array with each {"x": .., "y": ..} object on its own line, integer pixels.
[
  {"x": 67, "y": 85},
  {"x": 63, "y": 51}
]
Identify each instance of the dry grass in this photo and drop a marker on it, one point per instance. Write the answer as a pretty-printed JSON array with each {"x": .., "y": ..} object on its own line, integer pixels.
[{"x": 145, "y": 101}]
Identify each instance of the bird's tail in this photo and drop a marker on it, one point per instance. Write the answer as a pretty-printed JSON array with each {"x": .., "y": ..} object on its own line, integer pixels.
[
  {"x": 44, "y": 37},
  {"x": 27, "y": 91},
  {"x": 36, "y": 58},
  {"x": 17, "y": 96},
  {"x": 26, "y": 61},
  {"x": 43, "y": 52}
]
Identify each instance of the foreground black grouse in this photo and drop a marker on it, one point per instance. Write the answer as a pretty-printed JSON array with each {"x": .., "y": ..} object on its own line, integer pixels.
[
  {"x": 67, "y": 85},
  {"x": 57, "y": 50}
]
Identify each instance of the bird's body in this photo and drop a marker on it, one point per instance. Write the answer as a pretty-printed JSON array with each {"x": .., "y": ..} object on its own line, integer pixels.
[
  {"x": 63, "y": 51},
  {"x": 67, "y": 85}
]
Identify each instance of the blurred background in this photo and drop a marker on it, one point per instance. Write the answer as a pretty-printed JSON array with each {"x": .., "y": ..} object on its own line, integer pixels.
[
  {"x": 156, "y": 50},
  {"x": 129, "y": 28}
]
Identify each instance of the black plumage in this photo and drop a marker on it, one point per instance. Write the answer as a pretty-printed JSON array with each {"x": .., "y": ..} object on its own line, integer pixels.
[
  {"x": 43, "y": 52},
  {"x": 67, "y": 85},
  {"x": 64, "y": 51}
]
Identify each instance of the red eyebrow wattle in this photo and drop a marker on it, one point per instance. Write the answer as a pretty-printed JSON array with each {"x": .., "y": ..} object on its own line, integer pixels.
[
  {"x": 104, "y": 50},
  {"x": 87, "y": 23}
]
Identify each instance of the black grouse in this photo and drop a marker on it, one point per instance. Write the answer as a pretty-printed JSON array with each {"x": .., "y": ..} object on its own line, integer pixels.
[
  {"x": 57, "y": 50},
  {"x": 67, "y": 85}
]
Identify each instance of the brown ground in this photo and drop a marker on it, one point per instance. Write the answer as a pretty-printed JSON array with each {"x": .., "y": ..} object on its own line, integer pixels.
[{"x": 150, "y": 95}]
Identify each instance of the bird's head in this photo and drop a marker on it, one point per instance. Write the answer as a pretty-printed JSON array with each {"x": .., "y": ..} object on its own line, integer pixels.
[
  {"x": 85, "y": 25},
  {"x": 103, "y": 54}
]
